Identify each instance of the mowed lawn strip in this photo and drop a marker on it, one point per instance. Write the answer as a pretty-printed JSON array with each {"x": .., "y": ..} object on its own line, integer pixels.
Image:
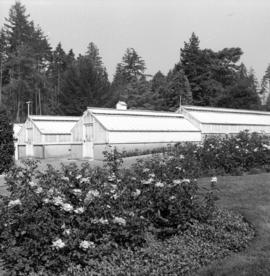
[{"x": 249, "y": 195}]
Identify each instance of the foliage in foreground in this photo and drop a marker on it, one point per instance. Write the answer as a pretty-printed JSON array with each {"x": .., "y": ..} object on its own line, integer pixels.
[
  {"x": 151, "y": 218},
  {"x": 80, "y": 215},
  {"x": 199, "y": 245}
]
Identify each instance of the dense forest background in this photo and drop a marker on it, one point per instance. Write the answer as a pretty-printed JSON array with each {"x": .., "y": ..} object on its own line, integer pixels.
[{"x": 58, "y": 82}]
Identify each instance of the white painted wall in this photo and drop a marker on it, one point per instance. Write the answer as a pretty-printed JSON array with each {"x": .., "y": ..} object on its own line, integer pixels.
[{"x": 152, "y": 137}]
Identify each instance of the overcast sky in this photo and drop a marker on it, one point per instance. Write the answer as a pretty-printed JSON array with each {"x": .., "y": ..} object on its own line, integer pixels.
[{"x": 156, "y": 29}]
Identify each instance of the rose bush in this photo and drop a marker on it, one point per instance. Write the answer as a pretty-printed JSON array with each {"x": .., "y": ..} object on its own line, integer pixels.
[
  {"x": 76, "y": 215},
  {"x": 228, "y": 155}
]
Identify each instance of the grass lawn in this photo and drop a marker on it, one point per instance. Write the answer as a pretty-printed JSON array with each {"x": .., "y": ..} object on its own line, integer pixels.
[{"x": 249, "y": 195}]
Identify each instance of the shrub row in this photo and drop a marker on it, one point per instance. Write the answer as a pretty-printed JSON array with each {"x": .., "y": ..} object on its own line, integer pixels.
[{"x": 232, "y": 155}]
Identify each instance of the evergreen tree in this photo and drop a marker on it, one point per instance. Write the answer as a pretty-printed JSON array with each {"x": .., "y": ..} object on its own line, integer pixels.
[
  {"x": 265, "y": 88},
  {"x": 27, "y": 56},
  {"x": 6, "y": 141},
  {"x": 243, "y": 91},
  {"x": 58, "y": 65},
  {"x": 240, "y": 96},
  {"x": 85, "y": 83},
  {"x": 178, "y": 90},
  {"x": 129, "y": 77},
  {"x": 211, "y": 74},
  {"x": 93, "y": 54}
]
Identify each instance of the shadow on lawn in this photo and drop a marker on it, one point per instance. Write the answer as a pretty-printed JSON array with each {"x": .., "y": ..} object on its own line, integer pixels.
[{"x": 250, "y": 196}]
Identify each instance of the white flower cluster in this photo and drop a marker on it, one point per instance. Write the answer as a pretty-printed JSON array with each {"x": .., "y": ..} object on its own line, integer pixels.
[
  {"x": 58, "y": 244},
  {"x": 67, "y": 232},
  {"x": 266, "y": 146},
  {"x": 15, "y": 202},
  {"x": 100, "y": 221},
  {"x": 65, "y": 178},
  {"x": 77, "y": 192},
  {"x": 159, "y": 185},
  {"x": 58, "y": 201},
  {"x": 79, "y": 210},
  {"x": 119, "y": 221},
  {"x": 136, "y": 193},
  {"x": 67, "y": 207},
  {"x": 39, "y": 190},
  {"x": 91, "y": 195},
  {"x": 112, "y": 177},
  {"x": 32, "y": 184},
  {"x": 148, "y": 181},
  {"x": 85, "y": 180},
  {"x": 86, "y": 245},
  {"x": 180, "y": 181}
]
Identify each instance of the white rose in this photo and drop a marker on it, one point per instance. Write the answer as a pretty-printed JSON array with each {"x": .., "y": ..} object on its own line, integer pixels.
[
  {"x": 86, "y": 244},
  {"x": 67, "y": 207},
  {"x": 39, "y": 190},
  {"x": 79, "y": 210},
  {"x": 159, "y": 184},
  {"x": 77, "y": 192},
  {"x": 119, "y": 221},
  {"x": 91, "y": 195},
  {"x": 46, "y": 200},
  {"x": 32, "y": 184},
  {"x": 15, "y": 202},
  {"x": 67, "y": 232},
  {"x": 58, "y": 244},
  {"x": 85, "y": 180},
  {"x": 136, "y": 193},
  {"x": 103, "y": 221},
  {"x": 58, "y": 201},
  {"x": 148, "y": 181}
]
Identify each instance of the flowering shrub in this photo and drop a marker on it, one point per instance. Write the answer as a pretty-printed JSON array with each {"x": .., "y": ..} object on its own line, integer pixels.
[
  {"x": 77, "y": 215},
  {"x": 182, "y": 254},
  {"x": 230, "y": 154}
]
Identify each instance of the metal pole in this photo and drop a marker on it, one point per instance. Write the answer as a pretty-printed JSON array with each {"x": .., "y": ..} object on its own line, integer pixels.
[{"x": 28, "y": 108}]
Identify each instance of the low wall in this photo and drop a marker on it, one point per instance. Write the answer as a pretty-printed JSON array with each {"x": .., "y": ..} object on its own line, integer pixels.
[
  {"x": 64, "y": 150},
  {"x": 99, "y": 148}
]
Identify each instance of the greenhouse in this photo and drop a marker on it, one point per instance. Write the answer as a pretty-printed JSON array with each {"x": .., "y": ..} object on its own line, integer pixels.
[
  {"x": 220, "y": 121},
  {"x": 129, "y": 130},
  {"x": 45, "y": 136}
]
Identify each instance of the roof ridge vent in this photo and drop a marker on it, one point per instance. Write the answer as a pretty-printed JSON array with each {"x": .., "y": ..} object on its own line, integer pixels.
[{"x": 121, "y": 105}]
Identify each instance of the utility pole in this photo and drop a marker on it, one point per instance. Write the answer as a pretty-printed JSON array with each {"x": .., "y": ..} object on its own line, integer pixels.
[{"x": 28, "y": 108}]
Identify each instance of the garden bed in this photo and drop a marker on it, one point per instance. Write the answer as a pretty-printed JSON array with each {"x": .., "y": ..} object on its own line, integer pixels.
[{"x": 150, "y": 219}]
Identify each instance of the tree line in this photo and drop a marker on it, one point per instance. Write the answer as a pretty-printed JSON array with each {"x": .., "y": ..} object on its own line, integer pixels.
[{"x": 58, "y": 82}]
